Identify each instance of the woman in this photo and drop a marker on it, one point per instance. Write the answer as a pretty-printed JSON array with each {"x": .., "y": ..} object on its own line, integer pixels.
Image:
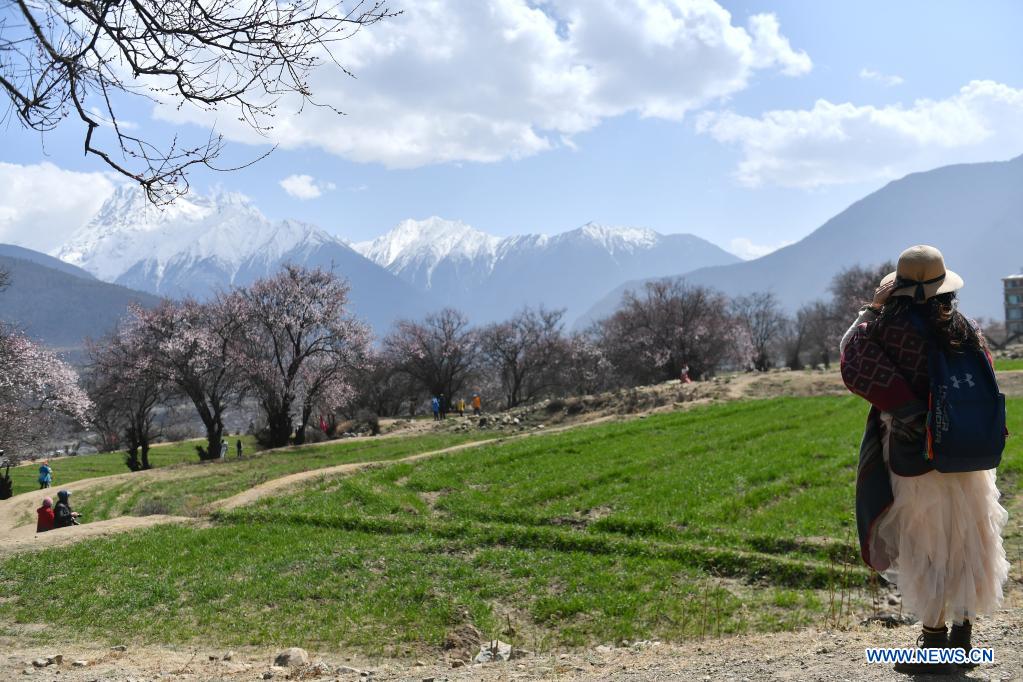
[
  {"x": 63, "y": 515},
  {"x": 45, "y": 475},
  {"x": 44, "y": 516},
  {"x": 937, "y": 536}
]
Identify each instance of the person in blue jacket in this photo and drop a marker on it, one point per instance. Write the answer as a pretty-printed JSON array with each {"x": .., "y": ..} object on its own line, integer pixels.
[
  {"x": 45, "y": 475},
  {"x": 435, "y": 405}
]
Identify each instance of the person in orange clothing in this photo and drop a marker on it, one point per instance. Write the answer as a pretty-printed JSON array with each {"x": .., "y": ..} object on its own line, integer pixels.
[
  {"x": 477, "y": 404},
  {"x": 44, "y": 521}
]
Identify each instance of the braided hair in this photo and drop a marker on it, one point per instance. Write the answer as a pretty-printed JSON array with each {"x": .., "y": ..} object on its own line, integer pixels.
[{"x": 952, "y": 329}]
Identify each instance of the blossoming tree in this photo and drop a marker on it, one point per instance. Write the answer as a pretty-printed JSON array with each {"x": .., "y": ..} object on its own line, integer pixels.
[
  {"x": 190, "y": 347},
  {"x": 126, "y": 386},
  {"x": 299, "y": 347},
  {"x": 37, "y": 389}
]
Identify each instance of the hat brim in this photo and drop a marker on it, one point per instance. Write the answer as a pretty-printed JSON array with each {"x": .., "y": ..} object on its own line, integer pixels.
[{"x": 952, "y": 282}]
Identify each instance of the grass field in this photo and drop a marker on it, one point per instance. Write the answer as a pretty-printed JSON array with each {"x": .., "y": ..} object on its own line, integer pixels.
[
  {"x": 1008, "y": 364},
  {"x": 187, "y": 491},
  {"x": 721, "y": 519},
  {"x": 67, "y": 470}
]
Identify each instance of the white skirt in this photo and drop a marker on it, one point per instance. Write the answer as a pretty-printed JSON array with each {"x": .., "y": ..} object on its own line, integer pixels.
[{"x": 944, "y": 534}]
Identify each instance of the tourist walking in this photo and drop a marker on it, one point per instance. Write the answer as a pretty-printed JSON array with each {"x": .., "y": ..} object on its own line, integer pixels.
[
  {"x": 929, "y": 519},
  {"x": 443, "y": 406},
  {"x": 461, "y": 407},
  {"x": 477, "y": 404},
  {"x": 238, "y": 447},
  {"x": 435, "y": 406}
]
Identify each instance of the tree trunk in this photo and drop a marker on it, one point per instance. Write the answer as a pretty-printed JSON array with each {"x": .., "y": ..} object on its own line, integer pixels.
[
  {"x": 132, "y": 460},
  {"x": 278, "y": 429},
  {"x": 145, "y": 455},
  {"x": 214, "y": 436}
]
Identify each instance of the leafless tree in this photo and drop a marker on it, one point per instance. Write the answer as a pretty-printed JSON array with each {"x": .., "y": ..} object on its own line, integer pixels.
[
  {"x": 853, "y": 287},
  {"x": 528, "y": 352},
  {"x": 85, "y": 59},
  {"x": 761, "y": 317},
  {"x": 441, "y": 353},
  {"x": 669, "y": 325},
  {"x": 823, "y": 327}
]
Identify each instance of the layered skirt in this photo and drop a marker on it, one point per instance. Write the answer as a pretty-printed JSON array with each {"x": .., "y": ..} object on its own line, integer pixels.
[{"x": 944, "y": 534}]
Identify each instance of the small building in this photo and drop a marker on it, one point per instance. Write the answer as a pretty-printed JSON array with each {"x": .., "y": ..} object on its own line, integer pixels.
[{"x": 1013, "y": 305}]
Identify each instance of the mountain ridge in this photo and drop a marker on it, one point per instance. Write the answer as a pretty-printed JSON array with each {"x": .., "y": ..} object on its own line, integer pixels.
[{"x": 972, "y": 212}]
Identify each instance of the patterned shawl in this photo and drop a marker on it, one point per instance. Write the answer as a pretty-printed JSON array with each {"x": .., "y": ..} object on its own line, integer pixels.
[{"x": 887, "y": 367}]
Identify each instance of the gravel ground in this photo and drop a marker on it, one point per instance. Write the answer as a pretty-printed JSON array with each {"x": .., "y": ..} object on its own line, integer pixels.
[{"x": 812, "y": 654}]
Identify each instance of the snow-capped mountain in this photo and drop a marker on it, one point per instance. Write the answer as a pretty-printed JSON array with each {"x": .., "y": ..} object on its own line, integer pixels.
[
  {"x": 490, "y": 277},
  {"x": 131, "y": 242},
  {"x": 202, "y": 244},
  {"x": 434, "y": 253}
]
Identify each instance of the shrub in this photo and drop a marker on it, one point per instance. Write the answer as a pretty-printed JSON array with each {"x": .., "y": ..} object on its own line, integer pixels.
[{"x": 367, "y": 421}]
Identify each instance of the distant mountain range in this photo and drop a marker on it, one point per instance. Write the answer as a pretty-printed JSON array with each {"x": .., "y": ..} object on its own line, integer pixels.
[
  {"x": 489, "y": 277},
  {"x": 972, "y": 212},
  {"x": 60, "y": 304},
  {"x": 203, "y": 244}
]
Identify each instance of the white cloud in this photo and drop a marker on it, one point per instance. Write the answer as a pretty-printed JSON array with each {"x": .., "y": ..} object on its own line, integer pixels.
[
  {"x": 889, "y": 80},
  {"x": 833, "y": 144},
  {"x": 41, "y": 204},
  {"x": 305, "y": 186},
  {"x": 748, "y": 250},
  {"x": 452, "y": 81}
]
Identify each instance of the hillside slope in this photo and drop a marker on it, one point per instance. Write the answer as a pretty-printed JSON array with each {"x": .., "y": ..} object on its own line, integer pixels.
[
  {"x": 61, "y": 309},
  {"x": 972, "y": 212}
]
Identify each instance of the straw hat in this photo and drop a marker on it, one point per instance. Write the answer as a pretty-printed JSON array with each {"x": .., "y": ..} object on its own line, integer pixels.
[{"x": 921, "y": 273}]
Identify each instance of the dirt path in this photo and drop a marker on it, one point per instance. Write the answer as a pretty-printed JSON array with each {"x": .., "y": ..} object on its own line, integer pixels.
[{"x": 17, "y": 538}]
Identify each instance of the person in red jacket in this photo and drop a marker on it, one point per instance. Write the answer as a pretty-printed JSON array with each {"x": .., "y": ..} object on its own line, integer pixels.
[{"x": 45, "y": 514}]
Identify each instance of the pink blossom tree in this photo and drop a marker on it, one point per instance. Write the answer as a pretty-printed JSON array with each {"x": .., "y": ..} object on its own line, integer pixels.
[
  {"x": 189, "y": 346},
  {"x": 37, "y": 390},
  {"x": 441, "y": 353},
  {"x": 298, "y": 348},
  {"x": 126, "y": 386}
]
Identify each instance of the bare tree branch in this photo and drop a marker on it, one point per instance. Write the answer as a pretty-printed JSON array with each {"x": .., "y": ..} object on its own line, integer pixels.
[{"x": 82, "y": 59}]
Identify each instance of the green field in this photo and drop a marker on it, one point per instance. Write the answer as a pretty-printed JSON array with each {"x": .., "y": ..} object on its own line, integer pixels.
[
  {"x": 1008, "y": 364},
  {"x": 724, "y": 518},
  {"x": 188, "y": 490},
  {"x": 67, "y": 470}
]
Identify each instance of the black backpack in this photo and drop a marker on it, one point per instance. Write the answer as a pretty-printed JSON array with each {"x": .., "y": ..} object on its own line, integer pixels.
[{"x": 966, "y": 411}]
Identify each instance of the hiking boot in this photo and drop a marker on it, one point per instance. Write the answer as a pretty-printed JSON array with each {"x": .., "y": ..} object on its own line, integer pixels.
[
  {"x": 929, "y": 639},
  {"x": 959, "y": 638}
]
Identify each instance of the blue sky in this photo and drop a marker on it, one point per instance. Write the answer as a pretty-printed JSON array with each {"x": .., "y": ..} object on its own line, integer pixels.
[{"x": 661, "y": 130}]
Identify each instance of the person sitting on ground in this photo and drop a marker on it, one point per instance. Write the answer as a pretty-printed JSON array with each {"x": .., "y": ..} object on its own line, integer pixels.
[
  {"x": 63, "y": 515},
  {"x": 45, "y": 475},
  {"x": 44, "y": 521}
]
